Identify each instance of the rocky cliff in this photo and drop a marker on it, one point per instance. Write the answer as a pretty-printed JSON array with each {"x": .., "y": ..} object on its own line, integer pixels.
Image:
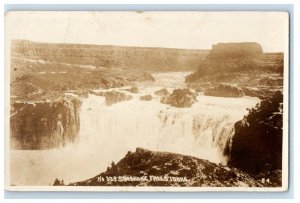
[
  {"x": 44, "y": 124},
  {"x": 148, "y": 168},
  {"x": 257, "y": 143}
]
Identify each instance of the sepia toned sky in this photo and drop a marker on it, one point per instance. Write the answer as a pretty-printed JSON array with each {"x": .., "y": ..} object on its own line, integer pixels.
[{"x": 193, "y": 30}]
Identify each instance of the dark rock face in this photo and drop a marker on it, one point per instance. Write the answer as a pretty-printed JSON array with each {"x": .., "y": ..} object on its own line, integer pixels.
[
  {"x": 162, "y": 92},
  {"x": 180, "y": 98},
  {"x": 257, "y": 143},
  {"x": 146, "y": 97},
  {"x": 112, "y": 97},
  {"x": 224, "y": 90},
  {"x": 44, "y": 125},
  {"x": 236, "y": 50},
  {"x": 143, "y": 166}
]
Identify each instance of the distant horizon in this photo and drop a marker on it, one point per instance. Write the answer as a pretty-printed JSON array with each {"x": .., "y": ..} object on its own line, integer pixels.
[{"x": 114, "y": 45}]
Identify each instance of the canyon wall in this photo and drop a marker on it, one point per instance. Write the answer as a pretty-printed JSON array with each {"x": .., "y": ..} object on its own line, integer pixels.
[
  {"x": 142, "y": 58},
  {"x": 44, "y": 124}
]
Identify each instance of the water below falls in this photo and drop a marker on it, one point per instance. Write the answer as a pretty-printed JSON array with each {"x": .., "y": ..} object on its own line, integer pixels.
[{"x": 107, "y": 133}]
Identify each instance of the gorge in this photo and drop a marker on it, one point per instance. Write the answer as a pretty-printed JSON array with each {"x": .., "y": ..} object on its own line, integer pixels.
[{"x": 71, "y": 121}]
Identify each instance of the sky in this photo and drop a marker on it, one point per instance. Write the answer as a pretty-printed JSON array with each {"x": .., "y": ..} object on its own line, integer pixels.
[{"x": 191, "y": 30}]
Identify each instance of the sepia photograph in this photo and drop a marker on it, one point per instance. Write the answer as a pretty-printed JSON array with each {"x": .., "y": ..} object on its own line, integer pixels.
[{"x": 146, "y": 101}]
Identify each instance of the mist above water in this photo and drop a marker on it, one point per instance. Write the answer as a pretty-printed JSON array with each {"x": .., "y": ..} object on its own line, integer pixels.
[{"x": 107, "y": 133}]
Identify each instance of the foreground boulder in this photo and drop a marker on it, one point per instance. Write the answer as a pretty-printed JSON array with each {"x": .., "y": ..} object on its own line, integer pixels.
[
  {"x": 180, "y": 98},
  {"x": 224, "y": 90},
  {"x": 148, "y": 168}
]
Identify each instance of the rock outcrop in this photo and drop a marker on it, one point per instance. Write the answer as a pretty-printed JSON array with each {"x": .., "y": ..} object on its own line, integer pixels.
[
  {"x": 180, "y": 98},
  {"x": 148, "y": 168},
  {"x": 224, "y": 90},
  {"x": 44, "y": 124},
  {"x": 257, "y": 143}
]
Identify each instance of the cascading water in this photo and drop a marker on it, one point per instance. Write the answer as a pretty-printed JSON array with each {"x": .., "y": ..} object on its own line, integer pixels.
[{"x": 107, "y": 133}]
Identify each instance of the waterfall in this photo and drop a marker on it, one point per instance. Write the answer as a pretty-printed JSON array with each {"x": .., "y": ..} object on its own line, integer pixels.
[{"x": 205, "y": 130}]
